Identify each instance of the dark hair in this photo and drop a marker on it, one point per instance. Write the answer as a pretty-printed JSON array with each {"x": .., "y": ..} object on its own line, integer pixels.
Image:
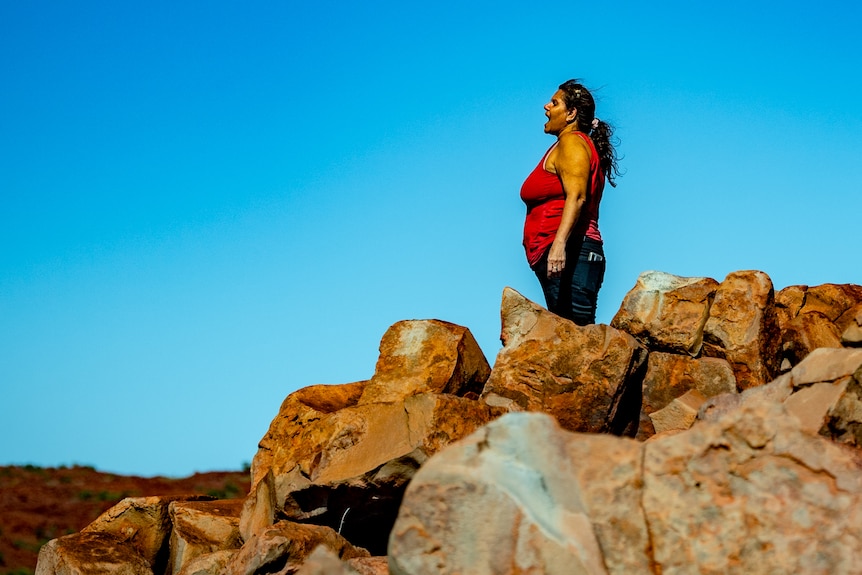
[{"x": 577, "y": 97}]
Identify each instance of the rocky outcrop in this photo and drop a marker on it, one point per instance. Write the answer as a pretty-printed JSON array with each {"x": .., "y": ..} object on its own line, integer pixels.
[
  {"x": 747, "y": 405},
  {"x": 202, "y": 527},
  {"x": 341, "y": 456},
  {"x": 750, "y": 492},
  {"x": 587, "y": 377},
  {"x": 667, "y": 312},
  {"x": 743, "y": 328},
  {"x": 91, "y": 552},
  {"x": 515, "y": 498},
  {"x": 829, "y": 315},
  {"x": 284, "y": 546},
  {"x": 671, "y": 376}
]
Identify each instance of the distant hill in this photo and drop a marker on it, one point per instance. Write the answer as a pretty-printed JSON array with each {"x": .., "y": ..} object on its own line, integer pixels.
[{"x": 38, "y": 504}]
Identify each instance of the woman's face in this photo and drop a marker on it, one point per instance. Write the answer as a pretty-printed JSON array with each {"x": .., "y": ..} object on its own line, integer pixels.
[{"x": 558, "y": 116}]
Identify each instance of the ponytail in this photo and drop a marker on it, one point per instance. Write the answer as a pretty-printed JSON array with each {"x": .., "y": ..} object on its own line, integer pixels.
[
  {"x": 601, "y": 133},
  {"x": 603, "y": 139}
]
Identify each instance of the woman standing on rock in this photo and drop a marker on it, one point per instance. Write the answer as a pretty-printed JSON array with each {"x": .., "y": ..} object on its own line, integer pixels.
[{"x": 561, "y": 231}]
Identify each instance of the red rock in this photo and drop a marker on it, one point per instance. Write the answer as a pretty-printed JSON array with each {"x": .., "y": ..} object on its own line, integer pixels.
[
  {"x": 284, "y": 547},
  {"x": 89, "y": 553},
  {"x": 143, "y": 523},
  {"x": 850, "y": 325},
  {"x": 203, "y": 527},
  {"x": 788, "y": 302},
  {"x": 832, "y": 300},
  {"x": 752, "y": 493},
  {"x": 588, "y": 377},
  {"x": 679, "y": 414},
  {"x": 342, "y": 455},
  {"x": 670, "y": 376},
  {"x": 523, "y": 496},
  {"x": 429, "y": 356},
  {"x": 805, "y": 333},
  {"x": 666, "y": 312},
  {"x": 743, "y": 328}
]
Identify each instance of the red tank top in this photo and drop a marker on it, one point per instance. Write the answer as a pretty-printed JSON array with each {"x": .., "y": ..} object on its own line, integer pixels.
[{"x": 543, "y": 193}]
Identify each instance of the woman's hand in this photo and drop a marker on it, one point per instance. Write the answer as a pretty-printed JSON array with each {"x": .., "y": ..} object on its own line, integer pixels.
[{"x": 556, "y": 259}]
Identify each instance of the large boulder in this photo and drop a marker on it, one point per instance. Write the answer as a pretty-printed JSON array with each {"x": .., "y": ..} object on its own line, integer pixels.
[
  {"x": 743, "y": 328},
  {"x": 747, "y": 492},
  {"x": 828, "y": 315},
  {"x": 201, "y": 528},
  {"x": 90, "y": 553},
  {"x": 426, "y": 356},
  {"x": 523, "y": 496},
  {"x": 823, "y": 392},
  {"x": 587, "y": 377},
  {"x": 805, "y": 333},
  {"x": 144, "y": 524},
  {"x": 284, "y": 547},
  {"x": 851, "y": 335},
  {"x": 753, "y": 493},
  {"x": 214, "y": 563},
  {"x": 670, "y": 376},
  {"x": 667, "y": 312},
  {"x": 336, "y": 456}
]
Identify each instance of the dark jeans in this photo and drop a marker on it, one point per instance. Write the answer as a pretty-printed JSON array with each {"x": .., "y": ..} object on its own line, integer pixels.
[{"x": 573, "y": 295}]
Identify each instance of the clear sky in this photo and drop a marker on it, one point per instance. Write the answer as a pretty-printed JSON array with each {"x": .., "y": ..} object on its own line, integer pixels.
[{"x": 205, "y": 206}]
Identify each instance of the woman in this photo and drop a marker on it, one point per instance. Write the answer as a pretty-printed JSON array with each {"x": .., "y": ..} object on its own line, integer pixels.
[{"x": 561, "y": 231}]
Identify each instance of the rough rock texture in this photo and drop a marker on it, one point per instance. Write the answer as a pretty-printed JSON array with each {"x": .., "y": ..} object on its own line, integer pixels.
[
  {"x": 516, "y": 497},
  {"x": 805, "y": 333},
  {"x": 764, "y": 481},
  {"x": 670, "y": 376},
  {"x": 210, "y": 564},
  {"x": 203, "y": 527},
  {"x": 426, "y": 356},
  {"x": 819, "y": 316},
  {"x": 91, "y": 553},
  {"x": 852, "y": 333},
  {"x": 667, "y": 312},
  {"x": 283, "y": 548},
  {"x": 747, "y": 493},
  {"x": 752, "y": 493},
  {"x": 588, "y": 377},
  {"x": 336, "y": 456},
  {"x": 322, "y": 561},
  {"x": 370, "y": 565},
  {"x": 679, "y": 414},
  {"x": 824, "y": 392},
  {"x": 743, "y": 328},
  {"x": 827, "y": 394},
  {"x": 348, "y": 469},
  {"x": 143, "y": 522}
]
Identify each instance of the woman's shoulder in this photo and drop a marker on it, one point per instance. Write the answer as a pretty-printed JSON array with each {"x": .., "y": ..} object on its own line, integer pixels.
[{"x": 574, "y": 144}]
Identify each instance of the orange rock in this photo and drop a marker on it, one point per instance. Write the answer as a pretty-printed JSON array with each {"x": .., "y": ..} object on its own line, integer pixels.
[
  {"x": 743, "y": 328},
  {"x": 805, "y": 333},
  {"x": 143, "y": 523},
  {"x": 669, "y": 376},
  {"x": 588, "y": 378},
  {"x": 521, "y": 495},
  {"x": 832, "y": 300},
  {"x": 91, "y": 552},
  {"x": 667, "y": 312},
  {"x": 284, "y": 547},
  {"x": 426, "y": 356},
  {"x": 203, "y": 527},
  {"x": 342, "y": 455}
]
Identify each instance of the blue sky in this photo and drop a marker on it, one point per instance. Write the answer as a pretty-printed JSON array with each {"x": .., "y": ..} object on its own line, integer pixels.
[{"x": 205, "y": 206}]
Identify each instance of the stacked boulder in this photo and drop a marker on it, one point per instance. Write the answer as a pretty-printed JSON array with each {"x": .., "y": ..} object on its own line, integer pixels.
[{"x": 713, "y": 427}]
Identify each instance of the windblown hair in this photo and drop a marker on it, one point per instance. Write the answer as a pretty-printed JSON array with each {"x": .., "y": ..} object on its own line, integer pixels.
[{"x": 579, "y": 98}]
